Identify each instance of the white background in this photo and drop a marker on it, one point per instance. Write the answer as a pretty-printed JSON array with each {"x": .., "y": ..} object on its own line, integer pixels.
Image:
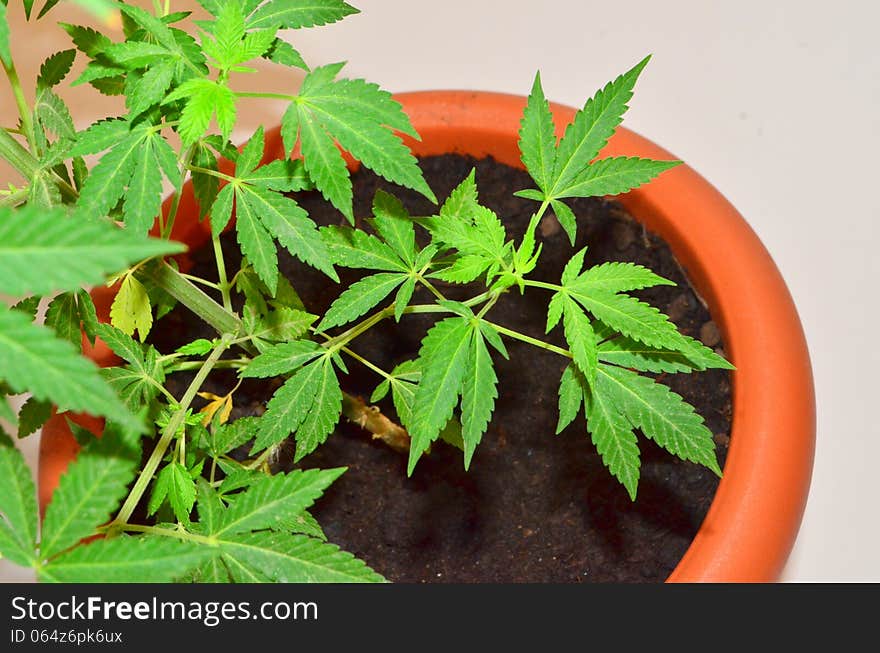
[{"x": 776, "y": 103}]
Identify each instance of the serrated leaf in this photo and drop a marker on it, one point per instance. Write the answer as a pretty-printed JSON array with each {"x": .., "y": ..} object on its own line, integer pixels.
[
  {"x": 287, "y": 175},
  {"x": 289, "y": 223},
  {"x": 281, "y": 52},
  {"x": 359, "y": 298},
  {"x": 258, "y": 557},
  {"x": 107, "y": 182},
  {"x": 295, "y": 14},
  {"x": 87, "y": 40},
  {"x": 18, "y": 505},
  {"x": 353, "y": 248},
  {"x": 44, "y": 250},
  {"x": 135, "y": 54},
  {"x": 280, "y": 325},
  {"x": 131, "y": 310},
  {"x": 443, "y": 355},
  {"x": 289, "y": 405},
  {"x": 205, "y": 99},
  {"x": 197, "y": 347},
  {"x": 478, "y": 394},
  {"x": 581, "y": 338},
  {"x": 554, "y": 311},
  {"x": 33, "y": 359},
  {"x": 43, "y": 192},
  {"x": 591, "y": 128},
  {"x": 403, "y": 297},
  {"x": 33, "y": 414},
  {"x": 142, "y": 559},
  {"x": 573, "y": 268},
  {"x": 221, "y": 210},
  {"x": 62, "y": 316},
  {"x": 52, "y": 114},
  {"x": 233, "y": 434},
  {"x": 275, "y": 499},
  {"x": 150, "y": 88},
  {"x": 464, "y": 269},
  {"x": 176, "y": 485},
  {"x": 393, "y": 223},
  {"x": 143, "y": 198},
  {"x": 661, "y": 414},
  {"x": 632, "y": 318},
  {"x": 324, "y": 412},
  {"x": 629, "y": 353},
  {"x": 567, "y": 219},
  {"x": 282, "y": 358},
  {"x": 100, "y": 136},
  {"x": 256, "y": 244},
  {"x": 537, "y": 140},
  {"x": 614, "y": 176},
  {"x": 88, "y": 492},
  {"x": 55, "y": 68},
  {"x": 572, "y": 386},
  {"x": 612, "y": 434}
]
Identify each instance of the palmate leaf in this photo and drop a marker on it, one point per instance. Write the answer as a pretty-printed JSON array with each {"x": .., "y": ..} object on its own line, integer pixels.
[
  {"x": 89, "y": 491},
  {"x": 629, "y": 353},
  {"x": 323, "y": 414},
  {"x": 274, "y": 500},
  {"x": 18, "y": 505},
  {"x": 537, "y": 138},
  {"x": 353, "y": 248},
  {"x": 393, "y": 223},
  {"x": 614, "y": 176},
  {"x": 616, "y": 277},
  {"x": 282, "y": 359},
  {"x": 44, "y": 250},
  {"x": 661, "y": 414},
  {"x": 33, "y": 414},
  {"x": 360, "y": 117},
  {"x": 175, "y": 484},
  {"x": 360, "y": 297},
  {"x": 295, "y": 14},
  {"x": 55, "y": 68},
  {"x": 277, "y": 557},
  {"x": 571, "y": 396},
  {"x": 204, "y": 99},
  {"x": 581, "y": 338},
  {"x": 62, "y": 316},
  {"x": 142, "y": 559},
  {"x": 131, "y": 310},
  {"x": 257, "y": 245},
  {"x": 443, "y": 360},
  {"x": 33, "y": 359},
  {"x": 612, "y": 435},
  {"x": 478, "y": 395}
]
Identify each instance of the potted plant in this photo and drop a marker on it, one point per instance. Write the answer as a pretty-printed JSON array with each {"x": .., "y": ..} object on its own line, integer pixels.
[{"x": 181, "y": 484}]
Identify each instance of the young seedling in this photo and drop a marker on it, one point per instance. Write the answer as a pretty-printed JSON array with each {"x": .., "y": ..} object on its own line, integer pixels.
[{"x": 177, "y": 490}]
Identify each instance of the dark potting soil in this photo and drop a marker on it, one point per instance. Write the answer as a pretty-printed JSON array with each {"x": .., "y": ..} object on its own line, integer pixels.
[{"x": 534, "y": 507}]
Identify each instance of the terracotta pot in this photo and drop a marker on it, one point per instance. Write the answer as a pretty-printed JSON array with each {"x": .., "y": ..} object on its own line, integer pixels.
[{"x": 754, "y": 518}]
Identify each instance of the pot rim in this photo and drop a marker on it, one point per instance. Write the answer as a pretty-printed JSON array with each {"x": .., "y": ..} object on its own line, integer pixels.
[{"x": 754, "y": 517}]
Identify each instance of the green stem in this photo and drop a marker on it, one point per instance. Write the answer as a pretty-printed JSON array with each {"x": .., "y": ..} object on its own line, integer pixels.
[
  {"x": 212, "y": 173},
  {"x": 363, "y": 361},
  {"x": 146, "y": 475},
  {"x": 541, "y": 284},
  {"x": 199, "y": 280},
  {"x": 222, "y": 284},
  {"x": 224, "y": 364},
  {"x": 194, "y": 298},
  {"x": 337, "y": 342},
  {"x": 270, "y": 96},
  {"x": 15, "y": 198},
  {"x": 532, "y": 341},
  {"x": 24, "y": 110},
  {"x": 163, "y": 532},
  {"x": 178, "y": 191}
]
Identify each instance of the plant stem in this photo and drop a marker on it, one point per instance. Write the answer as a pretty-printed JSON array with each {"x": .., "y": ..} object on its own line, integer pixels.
[
  {"x": 541, "y": 284},
  {"x": 24, "y": 111},
  {"x": 146, "y": 475},
  {"x": 223, "y": 364},
  {"x": 363, "y": 361},
  {"x": 213, "y": 173},
  {"x": 17, "y": 156},
  {"x": 164, "y": 532},
  {"x": 175, "y": 203},
  {"x": 532, "y": 341},
  {"x": 222, "y": 284},
  {"x": 199, "y": 280},
  {"x": 270, "y": 96}
]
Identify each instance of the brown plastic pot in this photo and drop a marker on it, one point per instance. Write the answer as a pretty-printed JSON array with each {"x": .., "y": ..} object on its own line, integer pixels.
[{"x": 751, "y": 525}]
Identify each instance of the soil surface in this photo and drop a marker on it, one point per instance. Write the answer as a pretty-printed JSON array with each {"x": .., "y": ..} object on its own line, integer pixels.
[{"x": 534, "y": 507}]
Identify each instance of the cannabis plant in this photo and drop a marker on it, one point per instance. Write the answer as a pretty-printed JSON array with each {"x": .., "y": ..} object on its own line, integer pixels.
[{"x": 176, "y": 490}]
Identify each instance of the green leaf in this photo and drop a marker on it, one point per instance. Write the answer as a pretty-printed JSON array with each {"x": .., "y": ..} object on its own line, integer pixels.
[
  {"x": 55, "y": 68},
  {"x": 131, "y": 310},
  {"x": 289, "y": 406},
  {"x": 282, "y": 358},
  {"x": 221, "y": 210},
  {"x": 288, "y": 222},
  {"x": 629, "y": 353},
  {"x": 359, "y": 298},
  {"x": 288, "y": 176},
  {"x": 281, "y": 52},
  {"x": 537, "y": 138},
  {"x": 100, "y": 136},
  {"x": 444, "y": 355},
  {"x": 572, "y": 386},
  {"x": 175, "y": 484},
  {"x": 257, "y": 557},
  {"x": 393, "y": 223},
  {"x": 617, "y": 277},
  {"x": 295, "y": 14},
  {"x": 205, "y": 99},
  {"x": 275, "y": 499},
  {"x": 150, "y": 88},
  {"x": 464, "y": 270},
  {"x": 233, "y": 434},
  {"x": 632, "y": 318},
  {"x": 33, "y": 359},
  {"x": 18, "y": 505},
  {"x": 581, "y": 338},
  {"x": 53, "y": 115},
  {"x": 143, "y": 559},
  {"x": 353, "y": 248},
  {"x": 478, "y": 394},
  {"x": 44, "y": 250},
  {"x": 403, "y": 297},
  {"x": 567, "y": 219},
  {"x": 197, "y": 347},
  {"x": 107, "y": 182},
  {"x": 33, "y": 414},
  {"x": 89, "y": 491},
  {"x": 280, "y": 325},
  {"x": 591, "y": 128},
  {"x": 87, "y": 40},
  {"x": 324, "y": 412},
  {"x": 661, "y": 414},
  {"x": 143, "y": 199},
  {"x": 612, "y": 434},
  {"x": 62, "y": 316},
  {"x": 614, "y": 176},
  {"x": 256, "y": 245}
]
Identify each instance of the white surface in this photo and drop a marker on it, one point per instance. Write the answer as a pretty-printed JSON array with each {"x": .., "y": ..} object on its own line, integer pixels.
[{"x": 775, "y": 103}]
